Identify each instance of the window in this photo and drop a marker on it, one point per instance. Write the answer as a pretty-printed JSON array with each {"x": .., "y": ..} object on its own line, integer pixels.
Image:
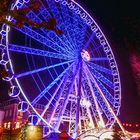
[
  {"x": 17, "y": 125},
  {"x": 20, "y": 114},
  {"x": 9, "y": 124},
  {"x": 5, "y": 125}
]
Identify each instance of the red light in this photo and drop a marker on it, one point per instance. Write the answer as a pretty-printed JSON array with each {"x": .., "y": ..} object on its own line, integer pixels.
[
  {"x": 137, "y": 125},
  {"x": 130, "y": 125}
]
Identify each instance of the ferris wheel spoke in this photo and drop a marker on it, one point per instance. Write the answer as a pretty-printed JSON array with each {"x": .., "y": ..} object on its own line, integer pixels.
[
  {"x": 44, "y": 13},
  {"x": 32, "y": 51},
  {"x": 99, "y": 59},
  {"x": 66, "y": 37},
  {"x": 60, "y": 42},
  {"x": 41, "y": 69},
  {"x": 94, "y": 97},
  {"x": 51, "y": 35},
  {"x": 88, "y": 109},
  {"x": 35, "y": 81},
  {"x": 106, "y": 101},
  {"x": 35, "y": 17},
  {"x": 67, "y": 26},
  {"x": 71, "y": 40},
  {"x": 65, "y": 41},
  {"x": 99, "y": 68},
  {"x": 59, "y": 96},
  {"x": 82, "y": 36},
  {"x": 79, "y": 78},
  {"x": 73, "y": 109},
  {"x": 73, "y": 31},
  {"x": 103, "y": 107},
  {"x": 76, "y": 33},
  {"x": 53, "y": 8},
  {"x": 102, "y": 78},
  {"x": 51, "y": 100},
  {"x": 51, "y": 85},
  {"x": 71, "y": 35},
  {"x": 106, "y": 92},
  {"x": 96, "y": 47},
  {"x": 66, "y": 49},
  {"x": 75, "y": 38},
  {"x": 63, "y": 24},
  {"x": 66, "y": 98},
  {"x": 89, "y": 40},
  {"x": 81, "y": 29},
  {"x": 86, "y": 89},
  {"x": 56, "y": 12},
  {"x": 40, "y": 38},
  {"x": 68, "y": 33},
  {"x": 109, "y": 97}
]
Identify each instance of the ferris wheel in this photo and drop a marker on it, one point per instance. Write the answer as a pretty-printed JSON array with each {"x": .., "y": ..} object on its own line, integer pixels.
[{"x": 73, "y": 77}]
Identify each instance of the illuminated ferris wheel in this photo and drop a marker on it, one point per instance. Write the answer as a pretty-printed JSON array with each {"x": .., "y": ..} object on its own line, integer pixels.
[{"x": 74, "y": 76}]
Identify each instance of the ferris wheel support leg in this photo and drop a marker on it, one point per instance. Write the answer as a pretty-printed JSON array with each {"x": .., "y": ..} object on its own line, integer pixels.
[
  {"x": 88, "y": 110},
  {"x": 72, "y": 119},
  {"x": 73, "y": 111},
  {"x": 67, "y": 96},
  {"x": 47, "y": 106},
  {"x": 60, "y": 94},
  {"x": 95, "y": 101},
  {"x": 78, "y": 100},
  {"x": 106, "y": 101}
]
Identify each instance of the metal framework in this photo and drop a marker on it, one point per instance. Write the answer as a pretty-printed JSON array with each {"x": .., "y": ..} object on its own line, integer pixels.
[{"x": 74, "y": 76}]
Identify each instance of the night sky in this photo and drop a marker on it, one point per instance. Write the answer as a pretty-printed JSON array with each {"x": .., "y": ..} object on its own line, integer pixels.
[{"x": 119, "y": 20}]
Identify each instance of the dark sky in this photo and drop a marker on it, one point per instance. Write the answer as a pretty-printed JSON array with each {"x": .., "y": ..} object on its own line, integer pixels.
[{"x": 119, "y": 20}]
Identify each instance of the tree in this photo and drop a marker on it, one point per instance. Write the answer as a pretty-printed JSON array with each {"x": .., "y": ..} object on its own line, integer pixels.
[
  {"x": 3, "y": 73},
  {"x": 20, "y": 17},
  {"x": 116, "y": 135}
]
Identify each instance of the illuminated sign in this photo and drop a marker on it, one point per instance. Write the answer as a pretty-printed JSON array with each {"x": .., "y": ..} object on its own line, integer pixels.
[
  {"x": 34, "y": 132},
  {"x": 96, "y": 134}
]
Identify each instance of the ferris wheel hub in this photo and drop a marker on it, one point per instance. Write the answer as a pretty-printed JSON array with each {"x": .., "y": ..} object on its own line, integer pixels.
[{"x": 85, "y": 55}]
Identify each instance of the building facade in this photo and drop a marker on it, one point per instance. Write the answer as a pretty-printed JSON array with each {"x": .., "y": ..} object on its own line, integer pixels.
[{"x": 11, "y": 120}]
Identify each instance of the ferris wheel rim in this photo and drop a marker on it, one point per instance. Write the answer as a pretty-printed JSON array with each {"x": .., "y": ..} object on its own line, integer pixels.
[{"x": 19, "y": 83}]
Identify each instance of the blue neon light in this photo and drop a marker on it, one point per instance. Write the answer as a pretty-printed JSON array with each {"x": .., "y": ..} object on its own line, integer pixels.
[{"x": 58, "y": 56}]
